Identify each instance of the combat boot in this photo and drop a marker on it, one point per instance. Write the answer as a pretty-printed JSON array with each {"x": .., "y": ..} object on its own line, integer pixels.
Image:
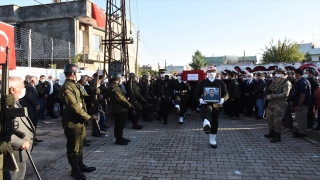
[
  {"x": 276, "y": 138},
  {"x": 77, "y": 174},
  {"x": 83, "y": 167},
  {"x": 270, "y": 135},
  {"x": 125, "y": 139},
  {"x": 136, "y": 126},
  {"x": 121, "y": 142}
]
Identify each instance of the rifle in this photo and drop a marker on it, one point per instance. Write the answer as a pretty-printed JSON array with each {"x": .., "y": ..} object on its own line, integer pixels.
[
  {"x": 97, "y": 106},
  {"x": 8, "y": 124}
]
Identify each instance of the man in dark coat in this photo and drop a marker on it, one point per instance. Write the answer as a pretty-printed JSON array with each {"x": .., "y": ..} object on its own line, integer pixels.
[
  {"x": 249, "y": 85},
  {"x": 43, "y": 89},
  {"x": 31, "y": 102},
  {"x": 259, "y": 94}
]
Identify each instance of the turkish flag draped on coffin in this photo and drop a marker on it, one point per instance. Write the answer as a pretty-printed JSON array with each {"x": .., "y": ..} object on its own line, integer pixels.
[
  {"x": 99, "y": 15},
  {"x": 7, "y": 39}
]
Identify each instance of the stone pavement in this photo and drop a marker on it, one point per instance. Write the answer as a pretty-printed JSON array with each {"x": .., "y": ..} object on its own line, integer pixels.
[{"x": 176, "y": 151}]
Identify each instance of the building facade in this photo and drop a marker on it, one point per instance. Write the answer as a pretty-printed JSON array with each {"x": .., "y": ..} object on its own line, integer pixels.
[
  {"x": 71, "y": 21},
  {"x": 312, "y": 50}
]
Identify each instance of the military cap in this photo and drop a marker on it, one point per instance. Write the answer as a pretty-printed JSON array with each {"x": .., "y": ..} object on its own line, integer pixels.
[
  {"x": 282, "y": 70},
  {"x": 70, "y": 68},
  {"x": 162, "y": 70}
]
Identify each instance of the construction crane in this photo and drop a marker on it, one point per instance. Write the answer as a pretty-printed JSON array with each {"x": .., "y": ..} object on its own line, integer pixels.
[{"x": 116, "y": 39}]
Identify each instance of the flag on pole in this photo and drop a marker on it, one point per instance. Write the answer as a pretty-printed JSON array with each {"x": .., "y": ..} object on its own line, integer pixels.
[
  {"x": 99, "y": 15},
  {"x": 7, "y": 39}
]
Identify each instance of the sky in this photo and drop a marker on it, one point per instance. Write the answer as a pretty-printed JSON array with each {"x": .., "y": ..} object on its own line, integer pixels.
[{"x": 172, "y": 30}]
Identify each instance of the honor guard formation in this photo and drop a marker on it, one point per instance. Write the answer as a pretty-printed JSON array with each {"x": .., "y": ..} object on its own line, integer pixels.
[{"x": 86, "y": 100}]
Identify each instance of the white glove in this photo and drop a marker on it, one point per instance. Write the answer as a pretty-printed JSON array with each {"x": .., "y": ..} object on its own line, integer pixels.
[
  {"x": 185, "y": 82},
  {"x": 201, "y": 101},
  {"x": 221, "y": 101}
]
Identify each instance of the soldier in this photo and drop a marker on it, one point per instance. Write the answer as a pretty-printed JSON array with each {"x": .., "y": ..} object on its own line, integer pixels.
[
  {"x": 144, "y": 91},
  {"x": 136, "y": 99},
  {"x": 74, "y": 119},
  {"x": 163, "y": 93},
  {"x": 277, "y": 94},
  {"x": 120, "y": 107},
  {"x": 180, "y": 96},
  {"x": 210, "y": 111}
]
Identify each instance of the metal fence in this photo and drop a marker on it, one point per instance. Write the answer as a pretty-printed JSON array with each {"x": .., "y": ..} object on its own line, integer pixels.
[{"x": 37, "y": 50}]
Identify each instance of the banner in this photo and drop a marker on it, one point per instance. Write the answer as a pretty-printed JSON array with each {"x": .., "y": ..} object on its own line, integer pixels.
[
  {"x": 7, "y": 39},
  {"x": 99, "y": 15}
]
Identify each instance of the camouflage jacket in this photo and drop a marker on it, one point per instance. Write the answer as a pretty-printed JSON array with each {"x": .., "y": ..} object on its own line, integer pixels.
[
  {"x": 279, "y": 90},
  {"x": 119, "y": 101}
]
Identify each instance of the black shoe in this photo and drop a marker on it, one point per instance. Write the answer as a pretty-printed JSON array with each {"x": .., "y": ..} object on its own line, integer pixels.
[
  {"x": 102, "y": 134},
  {"x": 276, "y": 138},
  {"x": 207, "y": 129},
  {"x": 103, "y": 129},
  {"x": 54, "y": 117},
  {"x": 165, "y": 122},
  {"x": 299, "y": 135},
  {"x": 125, "y": 139},
  {"x": 180, "y": 122},
  {"x": 85, "y": 168},
  {"x": 95, "y": 134},
  {"x": 259, "y": 117},
  {"x": 136, "y": 126},
  {"x": 295, "y": 133},
  {"x": 37, "y": 140},
  {"x": 270, "y": 135},
  {"x": 87, "y": 144},
  {"x": 214, "y": 146},
  {"x": 77, "y": 174},
  {"x": 121, "y": 142},
  {"x": 42, "y": 117}
]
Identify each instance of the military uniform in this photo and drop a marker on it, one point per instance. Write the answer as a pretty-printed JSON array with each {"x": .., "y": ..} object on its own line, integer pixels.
[
  {"x": 278, "y": 93},
  {"x": 163, "y": 93},
  {"x": 144, "y": 91},
  {"x": 74, "y": 120},
  {"x": 180, "y": 90},
  {"x": 137, "y": 101},
  {"x": 120, "y": 106}
]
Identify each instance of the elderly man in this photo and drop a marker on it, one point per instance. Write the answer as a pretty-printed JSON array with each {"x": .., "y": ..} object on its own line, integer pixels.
[
  {"x": 16, "y": 88},
  {"x": 51, "y": 99},
  {"x": 31, "y": 101}
]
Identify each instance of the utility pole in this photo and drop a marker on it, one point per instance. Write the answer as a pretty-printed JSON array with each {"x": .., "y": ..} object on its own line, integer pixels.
[
  {"x": 244, "y": 54},
  {"x": 137, "y": 65},
  {"x": 165, "y": 64},
  {"x": 158, "y": 66}
]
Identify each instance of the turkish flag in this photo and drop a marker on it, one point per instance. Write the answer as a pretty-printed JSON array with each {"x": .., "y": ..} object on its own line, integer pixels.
[
  {"x": 99, "y": 15},
  {"x": 7, "y": 39}
]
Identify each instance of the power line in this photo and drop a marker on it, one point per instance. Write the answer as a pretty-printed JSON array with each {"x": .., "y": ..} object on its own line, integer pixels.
[
  {"x": 54, "y": 9},
  {"x": 137, "y": 14},
  {"x": 151, "y": 50}
]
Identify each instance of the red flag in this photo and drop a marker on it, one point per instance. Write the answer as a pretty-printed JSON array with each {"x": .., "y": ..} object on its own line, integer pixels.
[
  {"x": 99, "y": 15},
  {"x": 7, "y": 39}
]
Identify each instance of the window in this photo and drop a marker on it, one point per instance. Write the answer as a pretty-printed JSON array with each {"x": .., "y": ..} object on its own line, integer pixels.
[
  {"x": 80, "y": 41},
  {"x": 96, "y": 42}
]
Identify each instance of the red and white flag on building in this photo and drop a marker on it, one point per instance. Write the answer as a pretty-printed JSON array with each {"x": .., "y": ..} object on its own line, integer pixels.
[
  {"x": 99, "y": 15},
  {"x": 7, "y": 39}
]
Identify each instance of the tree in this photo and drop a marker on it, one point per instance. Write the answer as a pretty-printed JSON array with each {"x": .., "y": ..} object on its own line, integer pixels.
[
  {"x": 285, "y": 51},
  {"x": 307, "y": 57},
  {"x": 198, "y": 61},
  {"x": 149, "y": 72}
]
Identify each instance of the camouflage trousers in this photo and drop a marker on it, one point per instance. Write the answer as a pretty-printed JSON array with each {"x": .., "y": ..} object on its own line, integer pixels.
[{"x": 274, "y": 114}]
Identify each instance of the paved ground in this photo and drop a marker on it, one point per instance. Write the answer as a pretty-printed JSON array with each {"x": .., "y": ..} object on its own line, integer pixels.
[{"x": 176, "y": 151}]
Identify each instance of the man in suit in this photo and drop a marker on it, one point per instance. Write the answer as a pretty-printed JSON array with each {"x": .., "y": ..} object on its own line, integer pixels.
[
  {"x": 249, "y": 99},
  {"x": 16, "y": 88},
  {"x": 51, "y": 99},
  {"x": 31, "y": 102},
  {"x": 211, "y": 95},
  {"x": 43, "y": 89},
  {"x": 56, "y": 90}
]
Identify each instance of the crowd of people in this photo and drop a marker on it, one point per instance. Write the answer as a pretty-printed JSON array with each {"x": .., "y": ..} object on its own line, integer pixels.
[{"x": 263, "y": 95}]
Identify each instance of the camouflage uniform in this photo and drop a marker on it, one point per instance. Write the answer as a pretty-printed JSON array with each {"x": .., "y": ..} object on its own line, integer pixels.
[{"x": 275, "y": 110}]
